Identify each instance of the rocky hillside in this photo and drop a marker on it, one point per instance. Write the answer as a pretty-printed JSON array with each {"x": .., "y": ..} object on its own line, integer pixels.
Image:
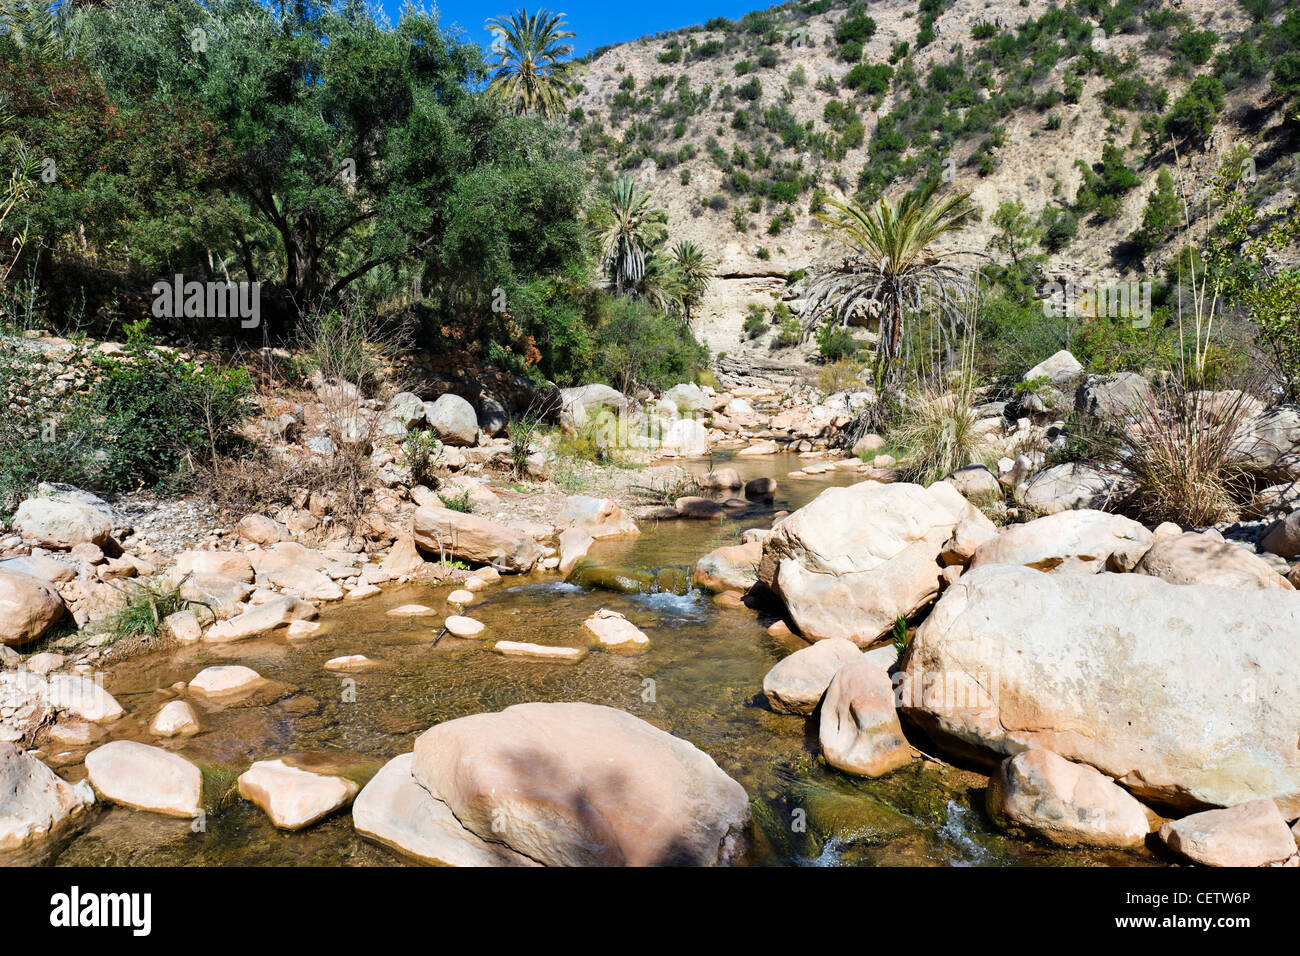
[{"x": 743, "y": 128}]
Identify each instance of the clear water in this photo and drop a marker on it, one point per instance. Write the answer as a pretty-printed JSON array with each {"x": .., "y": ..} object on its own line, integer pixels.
[{"x": 701, "y": 680}]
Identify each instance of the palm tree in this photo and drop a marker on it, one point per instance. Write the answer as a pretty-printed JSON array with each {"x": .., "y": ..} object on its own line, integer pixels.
[
  {"x": 893, "y": 272},
  {"x": 634, "y": 230},
  {"x": 694, "y": 273},
  {"x": 531, "y": 69}
]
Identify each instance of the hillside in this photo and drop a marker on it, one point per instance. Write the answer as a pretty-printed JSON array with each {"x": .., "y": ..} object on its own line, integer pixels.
[{"x": 741, "y": 128}]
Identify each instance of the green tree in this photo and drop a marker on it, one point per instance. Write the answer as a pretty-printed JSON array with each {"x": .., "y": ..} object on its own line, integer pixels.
[
  {"x": 893, "y": 269},
  {"x": 1016, "y": 238},
  {"x": 1193, "y": 114},
  {"x": 532, "y": 69},
  {"x": 1162, "y": 215},
  {"x": 633, "y": 228},
  {"x": 694, "y": 271}
]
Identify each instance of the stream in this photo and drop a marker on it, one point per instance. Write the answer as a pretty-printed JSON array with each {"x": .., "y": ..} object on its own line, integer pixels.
[{"x": 701, "y": 680}]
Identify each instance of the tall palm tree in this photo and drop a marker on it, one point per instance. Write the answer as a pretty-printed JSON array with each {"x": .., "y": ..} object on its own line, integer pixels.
[
  {"x": 529, "y": 55},
  {"x": 892, "y": 270},
  {"x": 694, "y": 273},
  {"x": 634, "y": 230},
  {"x": 48, "y": 28}
]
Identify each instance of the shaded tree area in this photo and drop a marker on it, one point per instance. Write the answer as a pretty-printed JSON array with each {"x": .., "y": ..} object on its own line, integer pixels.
[{"x": 332, "y": 156}]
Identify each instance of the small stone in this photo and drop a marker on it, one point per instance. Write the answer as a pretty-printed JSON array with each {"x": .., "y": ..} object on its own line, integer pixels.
[
  {"x": 460, "y": 596},
  {"x": 539, "y": 651},
  {"x": 459, "y": 626},
  {"x": 409, "y": 610},
  {"x": 176, "y": 718},
  {"x": 225, "y": 679},
  {"x": 352, "y": 662}
]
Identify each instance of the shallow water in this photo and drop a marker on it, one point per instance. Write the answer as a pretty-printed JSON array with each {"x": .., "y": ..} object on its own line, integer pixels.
[{"x": 701, "y": 680}]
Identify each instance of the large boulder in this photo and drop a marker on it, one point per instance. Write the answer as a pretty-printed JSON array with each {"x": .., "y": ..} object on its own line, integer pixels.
[
  {"x": 146, "y": 778},
  {"x": 35, "y": 803},
  {"x": 443, "y": 532},
  {"x": 1060, "y": 369},
  {"x": 795, "y": 684},
  {"x": 453, "y": 420},
  {"x": 405, "y": 410},
  {"x": 29, "y": 606},
  {"x": 230, "y": 564},
  {"x": 394, "y": 810},
  {"x": 1270, "y": 441},
  {"x": 254, "y": 622},
  {"x": 1183, "y": 694},
  {"x": 688, "y": 397},
  {"x": 1066, "y": 803},
  {"x": 599, "y": 517},
  {"x": 685, "y": 437},
  {"x": 1112, "y": 396},
  {"x": 571, "y": 784},
  {"x": 859, "y": 730},
  {"x": 1193, "y": 558},
  {"x": 1252, "y": 834},
  {"x": 61, "y": 523},
  {"x": 1069, "y": 486},
  {"x": 1074, "y": 542},
  {"x": 579, "y": 405},
  {"x": 574, "y": 545},
  {"x": 732, "y": 567},
  {"x": 41, "y": 566},
  {"x": 855, "y": 559}
]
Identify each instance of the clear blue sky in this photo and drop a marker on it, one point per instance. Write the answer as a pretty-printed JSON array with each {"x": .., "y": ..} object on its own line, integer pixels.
[{"x": 596, "y": 22}]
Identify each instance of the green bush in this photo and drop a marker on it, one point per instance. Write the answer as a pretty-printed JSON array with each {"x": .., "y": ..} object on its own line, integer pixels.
[
  {"x": 835, "y": 343},
  {"x": 161, "y": 415},
  {"x": 639, "y": 345},
  {"x": 145, "y": 419},
  {"x": 1193, "y": 114}
]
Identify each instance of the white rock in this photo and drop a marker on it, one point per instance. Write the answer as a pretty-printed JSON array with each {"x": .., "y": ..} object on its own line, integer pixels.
[
  {"x": 294, "y": 798},
  {"x": 460, "y": 626},
  {"x": 175, "y": 718},
  {"x": 147, "y": 778},
  {"x": 222, "y": 680}
]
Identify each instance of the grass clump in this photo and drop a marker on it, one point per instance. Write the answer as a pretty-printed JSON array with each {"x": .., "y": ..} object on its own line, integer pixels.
[
  {"x": 937, "y": 430},
  {"x": 145, "y": 605}
]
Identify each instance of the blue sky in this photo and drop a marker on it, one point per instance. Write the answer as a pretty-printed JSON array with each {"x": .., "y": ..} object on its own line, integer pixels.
[{"x": 596, "y": 22}]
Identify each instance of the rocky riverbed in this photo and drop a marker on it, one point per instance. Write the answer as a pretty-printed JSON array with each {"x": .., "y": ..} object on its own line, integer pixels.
[{"x": 796, "y": 658}]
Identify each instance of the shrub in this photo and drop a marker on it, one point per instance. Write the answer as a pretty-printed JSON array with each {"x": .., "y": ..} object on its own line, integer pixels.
[
  {"x": 836, "y": 343},
  {"x": 144, "y": 606},
  {"x": 422, "y": 454},
  {"x": 456, "y": 502},
  {"x": 1179, "y": 453},
  {"x": 860, "y": 28},
  {"x": 146, "y": 418},
  {"x": 639, "y": 345},
  {"x": 1193, "y": 114},
  {"x": 869, "y": 79},
  {"x": 936, "y": 430}
]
